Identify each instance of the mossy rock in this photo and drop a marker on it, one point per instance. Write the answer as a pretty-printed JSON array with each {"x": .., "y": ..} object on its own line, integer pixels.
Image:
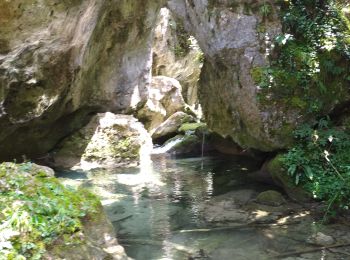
[
  {"x": 40, "y": 216},
  {"x": 192, "y": 127},
  {"x": 271, "y": 198},
  {"x": 188, "y": 145},
  {"x": 282, "y": 179}
]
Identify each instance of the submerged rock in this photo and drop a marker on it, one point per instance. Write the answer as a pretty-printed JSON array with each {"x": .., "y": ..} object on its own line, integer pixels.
[
  {"x": 270, "y": 197},
  {"x": 321, "y": 239},
  {"x": 108, "y": 141}
]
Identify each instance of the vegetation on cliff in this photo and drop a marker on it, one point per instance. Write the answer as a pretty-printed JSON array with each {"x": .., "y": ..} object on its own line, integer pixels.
[
  {"x": 312, "y": 51},
  {"x": 320, "y": 162},
  {"x": 310, "y": 71}
]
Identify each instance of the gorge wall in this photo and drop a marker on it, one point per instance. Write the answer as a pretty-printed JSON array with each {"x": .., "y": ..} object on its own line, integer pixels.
[{"x": 63, "y": 61}]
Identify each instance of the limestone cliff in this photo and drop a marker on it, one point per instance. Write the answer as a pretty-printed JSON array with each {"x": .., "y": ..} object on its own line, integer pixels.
[
  {"x": 238, "y": 39},
  {"x": 62, "y": 60}
]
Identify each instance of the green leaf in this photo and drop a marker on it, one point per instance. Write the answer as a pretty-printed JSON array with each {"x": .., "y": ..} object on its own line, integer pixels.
[
  {"x": 309, "y": 173},
  {"x": 297, "y": 179},
  {"x": 292, "y": 169}
]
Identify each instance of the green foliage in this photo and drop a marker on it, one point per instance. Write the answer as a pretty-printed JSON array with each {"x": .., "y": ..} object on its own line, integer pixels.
[
  {"x": 183, "y": 42},
  {"x": 265, "y": 9},
  {"x": 37, "y": 210},
  {"x": 313, "y": 50},
  {"x": 320, "y": 161}
]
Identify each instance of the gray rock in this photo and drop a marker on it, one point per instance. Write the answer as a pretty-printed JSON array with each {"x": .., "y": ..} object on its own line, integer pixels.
[
  {"x": 171, "y": 125},
  {"x": 69, "y": 59},
  {"x": 176, "y": 54},
  {"x": 164, "y": 99},
  {"x": 236, "y": 40},
  {"x": 321, "y": 239}
]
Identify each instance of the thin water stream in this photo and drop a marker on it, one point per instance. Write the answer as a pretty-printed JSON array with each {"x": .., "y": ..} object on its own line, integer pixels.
[{"x": 158, "y": 211}]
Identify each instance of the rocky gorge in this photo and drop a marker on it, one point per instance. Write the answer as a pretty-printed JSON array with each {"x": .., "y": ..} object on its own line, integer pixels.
[{"x": 90, "y": 85}]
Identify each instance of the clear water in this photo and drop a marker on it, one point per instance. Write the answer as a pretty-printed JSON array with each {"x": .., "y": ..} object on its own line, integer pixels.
[{"x": 156, "y": 210}]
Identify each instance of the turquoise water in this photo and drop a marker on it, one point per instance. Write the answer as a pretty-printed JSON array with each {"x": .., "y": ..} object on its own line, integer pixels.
[{"x": 157, "y": 213}]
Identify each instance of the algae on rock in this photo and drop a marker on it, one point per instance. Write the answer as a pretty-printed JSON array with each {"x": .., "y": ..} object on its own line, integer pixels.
[
  {"x": 43, "y": 219},
  {"x": 109, "y": 140}
]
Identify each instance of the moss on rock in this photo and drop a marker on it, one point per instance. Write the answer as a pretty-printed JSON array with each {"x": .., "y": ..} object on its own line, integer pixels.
[
  {"x": 281, "y": 178},
  {"x": 109, "y": 140},
  {"x": 38, "y": 212}
]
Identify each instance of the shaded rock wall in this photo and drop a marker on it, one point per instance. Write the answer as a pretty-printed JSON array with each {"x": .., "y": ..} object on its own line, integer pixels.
[
  {"x": 229, "y": 36},
  {"x": 62, "y": 60}
]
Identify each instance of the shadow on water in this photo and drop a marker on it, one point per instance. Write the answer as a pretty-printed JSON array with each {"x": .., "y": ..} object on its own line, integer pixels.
[{"x": 160, "y": 212}]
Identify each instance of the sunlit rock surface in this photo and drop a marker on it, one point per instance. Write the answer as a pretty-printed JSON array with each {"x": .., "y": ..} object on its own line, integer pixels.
[
  {"x": 108, "y": 141},
  {"x": 164, "y": 99},
  {"x": 176, "y": 54},
  {"x": 170, "y": 127},
  {"x": 60, "y": 61},
  {"x": 229, "y": 37}
]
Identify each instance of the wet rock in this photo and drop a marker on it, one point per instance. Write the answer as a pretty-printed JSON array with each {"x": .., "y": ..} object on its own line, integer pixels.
[
  {"x": 108, "y": 141},
  {"x": 170, "y": 127},
  {"x": 271, "y": 197},
  {"x": 184, "y": 145},
  {"x": 165, "y": 99},
  {"x": 321, "y": 239},
  {"x": 227, "y": 207}
]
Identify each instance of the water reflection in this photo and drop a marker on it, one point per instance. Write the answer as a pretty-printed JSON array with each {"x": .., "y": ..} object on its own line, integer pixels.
[{"x": 149, "y": 207}]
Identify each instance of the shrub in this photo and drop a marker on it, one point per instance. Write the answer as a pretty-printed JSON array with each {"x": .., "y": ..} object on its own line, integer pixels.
[{"x": 320, "y": 161}]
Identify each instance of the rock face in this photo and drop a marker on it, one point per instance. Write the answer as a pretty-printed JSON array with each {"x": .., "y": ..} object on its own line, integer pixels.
[
  {"x": 229, "y": 36},
  {"x": 236, "y": 38},
  {"x": 108, "y": 141},
  {"x": 165, "y": 98},
  {"x": 61, "y": 61},
  {"x": 176, "y": 54},
  {"x": 73, "y": 59}
]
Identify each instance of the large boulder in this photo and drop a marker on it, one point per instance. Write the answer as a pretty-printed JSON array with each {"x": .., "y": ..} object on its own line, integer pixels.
[
  {"x": 164, "y": 99},
  {"x": 170, "y": 127},
  {"x": 108, "y": 141},
  {"x": 61, "y": 61},
  {"x": 176, "y": 54}
]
